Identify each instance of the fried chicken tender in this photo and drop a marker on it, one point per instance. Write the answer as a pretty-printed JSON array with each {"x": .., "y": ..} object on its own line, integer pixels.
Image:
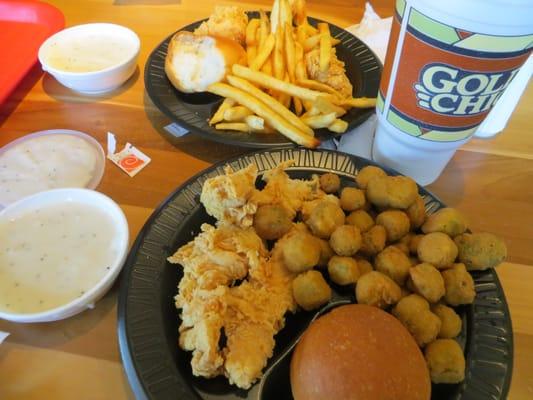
[
  {"x": 226, "y": 21},
  {"x": 250, "y": 314},
  {"x": 334, "y": 76},
  {"x": 228, "y": 197},
  {"x": 286, "y": 192}
]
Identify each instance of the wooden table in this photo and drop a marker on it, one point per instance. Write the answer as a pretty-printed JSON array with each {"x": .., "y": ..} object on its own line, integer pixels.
[{"x": 491, "y": 181}]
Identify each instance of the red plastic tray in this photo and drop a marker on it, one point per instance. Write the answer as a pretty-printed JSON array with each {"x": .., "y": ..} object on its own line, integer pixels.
[{"x": 24, "y": 26}]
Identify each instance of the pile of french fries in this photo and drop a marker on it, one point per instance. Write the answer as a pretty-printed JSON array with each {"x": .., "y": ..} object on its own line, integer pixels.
[{"x": 274, "y": 93}]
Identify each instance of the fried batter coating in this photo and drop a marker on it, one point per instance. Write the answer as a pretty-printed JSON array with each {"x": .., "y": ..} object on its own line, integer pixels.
[
  {"x": 427, "y": 282},
  {"x": 451, "y": 323},
  {"x": 392, "y": 191},
  {"x": 446, "y": 361},
  {"x": 310, "y": 290},
  {"x": 479, "y": 251},
  {"x": 373, "y": 240},
  {"x": 343, "y": 270},
  {"x": 361, "y": 219},
  {"x": 325, "y": 218},
  {"x": 352, "y": 199},
  {"x": 459, "y": 285},
  {"x": 345, "y": 240},
  {"x": 367, "y": 173},
  {"x": 393, "y": 263},
  {"x": 437, "y": 249},
  {"x": 226, "y": 21},
  {"x": 377, "y": 289},
  {"x": 330, "y": 183},
  {"x": 395, "y": 222},
  {"x": 271, "y": 222},
  {"x": 334, "y": 76},
  {"x": 417, "y": 212},
  {"x": 413, "y": 244},
  {"x": 447, "y": 220},
  {"x": 309, "y": 206},
  {"x": 414, "y": 313}
]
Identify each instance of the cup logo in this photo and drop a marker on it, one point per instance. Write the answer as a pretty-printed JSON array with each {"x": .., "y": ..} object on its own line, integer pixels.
[
  {"x": 445, "y": 89},
  {"x": 131, "y": 162}
]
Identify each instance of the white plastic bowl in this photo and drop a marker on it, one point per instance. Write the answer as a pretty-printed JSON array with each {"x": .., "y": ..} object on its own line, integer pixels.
[
  {"x": 93, "y": 80},
  {"x": 90, "y": 198}
]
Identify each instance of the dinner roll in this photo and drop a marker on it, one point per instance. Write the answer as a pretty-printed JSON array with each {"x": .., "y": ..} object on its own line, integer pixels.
[
  {"x": 358, "y": 352},
  {"x": 194, "y": 62}
]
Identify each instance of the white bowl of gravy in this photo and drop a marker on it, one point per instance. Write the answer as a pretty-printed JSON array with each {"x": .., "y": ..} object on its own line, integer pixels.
[
  {"x": 91, "y": 58},
  {"x": 60, "y": 252}
]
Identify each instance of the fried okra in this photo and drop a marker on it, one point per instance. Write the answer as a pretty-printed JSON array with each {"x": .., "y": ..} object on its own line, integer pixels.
[
  {"x": 447, "y": 220},
  {"x": 427, "y": 281},
  {"x": 272, "y": 222},
  {"x": 373, "y": 240},
  {"x": 345, "y": 240},
  {"x": 343, "y": 270},
  {"x": 367, "y": 173},
  {"x": 377, "y": 289},
  {"x": 325, "y": 218},
  {"x": 395, "y": 222},
  {"x": 437, "y": 249},
  {"x": 330, "y": 183},
  {"x": 414, "y": 313},
  {"x": 392, "y": 191},
  {"x": 417, "y": 212},
  {"x": 479, "y": 251},
  {"x": 393, "y": 263},
  {"x": 446, "y": 361},
  {"x": 361, "y": 219},
  {"x": 450, "y": 321},
  {"x": 352, "y": 199},
  {"x": 459, "y": 285},
  {"x": 300, "y": 250},
  {"x": 310, "y": 290}
]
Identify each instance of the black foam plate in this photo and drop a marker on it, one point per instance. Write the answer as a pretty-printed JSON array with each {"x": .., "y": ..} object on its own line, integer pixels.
[
  {"x": 192, "y": 111},
  {"x": 148, "y": 321}
]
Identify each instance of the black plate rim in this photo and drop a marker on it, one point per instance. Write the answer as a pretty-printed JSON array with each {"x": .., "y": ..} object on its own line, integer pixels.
[
  {"x": 148, "y": 84},
  {"x": 138, "y": 386}
]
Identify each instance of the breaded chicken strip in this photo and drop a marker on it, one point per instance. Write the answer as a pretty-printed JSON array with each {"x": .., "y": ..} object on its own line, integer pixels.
[
  {"x": 335, "y": 76},
  {"x": 226, "y": 21}
]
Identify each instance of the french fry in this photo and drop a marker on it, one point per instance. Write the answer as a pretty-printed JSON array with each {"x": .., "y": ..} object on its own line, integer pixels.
[
  {"x": 319, "y": 121},
  {"x": 338, "y": 126},
  {"x": 219, "y": 115},
  {"x": 270, "y": 102},
  {"x": 274, "y": 16},
  {"x": 236, "y": 114},
  {"x": 263, "y": 54},
  {"x": 322, "y": 87},
  {"x": 255, "y": 123},
  {"x": 270, "y": 116},
  {"x": 335, "y": 41},
  {"x": 300, "y": 13},
  {"x": 298, "y": 107},
  {"x": 311, "y": 42},
  {"x": 301, "y": 34},
  {"x": 361, "y": 102},
  {"x": 325, "y": 106},
  {"x": 251, "y": 53},
  {"x": 267, "y": 67},
  {"x": 311, "y": 30},
  {"x": 311, "y": 112},
  {"x": 325, "y": 46},
  {"x": 251, "y": 30},
  {"x": 263, "y": 27},
  {"x": 308, "y": 105},
  {"x": 272, "y": 83},
  {"x": 290, "y": 57},
  {"x": 285, "y": 13},
  {"x": 278, "y": 59},
  {"x": 233, "y": 126}
]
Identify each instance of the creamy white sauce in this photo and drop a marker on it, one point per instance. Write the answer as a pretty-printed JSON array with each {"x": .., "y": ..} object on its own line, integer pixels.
[
  {"x": 89, "y": 51},
  {"x": 45, "y": 162},
  {"x": 51, "y": 255}
]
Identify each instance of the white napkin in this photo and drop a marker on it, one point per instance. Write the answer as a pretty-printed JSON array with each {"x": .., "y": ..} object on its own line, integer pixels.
[
  {"x": 374, "y": 31},
  {"x": 3, "y": 336}
]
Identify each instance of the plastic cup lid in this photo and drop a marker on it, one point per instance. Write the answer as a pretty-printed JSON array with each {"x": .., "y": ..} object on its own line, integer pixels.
[{"x": 57, "y": 158}]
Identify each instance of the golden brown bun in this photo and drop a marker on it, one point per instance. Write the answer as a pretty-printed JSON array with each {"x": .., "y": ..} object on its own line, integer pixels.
[
  {"x": 194, "y": 62},
  {"x": 358, "y": 352}
]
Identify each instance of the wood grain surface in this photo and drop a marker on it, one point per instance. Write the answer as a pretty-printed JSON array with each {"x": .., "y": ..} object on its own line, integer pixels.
[{"x": 491, "y": 181}]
